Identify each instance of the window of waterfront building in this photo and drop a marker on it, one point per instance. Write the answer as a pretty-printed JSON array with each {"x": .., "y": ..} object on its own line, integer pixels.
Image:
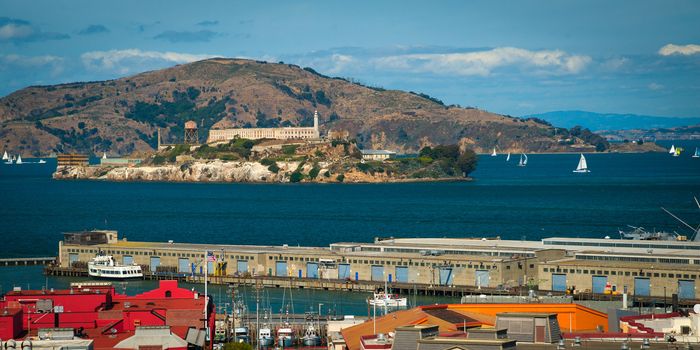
[{"x": 627, "y": 273}]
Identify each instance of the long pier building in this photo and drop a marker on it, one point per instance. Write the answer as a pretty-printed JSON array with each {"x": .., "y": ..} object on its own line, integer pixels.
[{"x": 599, "y": 266}]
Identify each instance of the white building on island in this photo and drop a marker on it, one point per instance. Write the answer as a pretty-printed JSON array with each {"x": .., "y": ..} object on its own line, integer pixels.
[{"x": 289, "y": 133}]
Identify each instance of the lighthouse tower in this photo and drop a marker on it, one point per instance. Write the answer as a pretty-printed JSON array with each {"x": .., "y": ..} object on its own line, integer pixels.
[{"x": 316, "y": 132}]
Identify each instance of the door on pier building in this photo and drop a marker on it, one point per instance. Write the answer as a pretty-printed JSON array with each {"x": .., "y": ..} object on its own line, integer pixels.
[
  {"x": 402, "y": 274},
  {"x": 482, "y": 278},
  {"x": 686, "y": 289},
  {"x": 559, "y": 282},
  {"x": 446, "y": 276},
  {"x": 642, "y": 286},
  {"x": 210, "y": 268},
  {"x": 183, "y": 265},
  {"x": 127, "y": 260},
  {"x": 242, "y": 266},
  {"x": 598, "y": 284},
  {"x": 343, "y": 271},
  {"x": 72, "y": 258},
  {"x": 155, "y": 262},
  {"x": 377, "y": 273},
  {"x": 311, "y": 270},
  {"x": 281, "y": 269}
]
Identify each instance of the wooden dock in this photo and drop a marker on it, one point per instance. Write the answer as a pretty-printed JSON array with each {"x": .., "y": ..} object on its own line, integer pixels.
[
  {"x": 27, "y": 261},
  {"x": 301, "y": 283},
  {"x": 363, "y": 286}
]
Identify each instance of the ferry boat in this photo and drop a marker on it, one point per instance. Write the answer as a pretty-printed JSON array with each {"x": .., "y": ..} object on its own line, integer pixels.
[
  {"x": 383, "y": 299},
  {"x": 104, "y": 266}
]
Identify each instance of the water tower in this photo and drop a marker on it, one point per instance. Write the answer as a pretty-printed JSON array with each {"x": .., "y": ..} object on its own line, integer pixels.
[{"x": 191, "y": 134}]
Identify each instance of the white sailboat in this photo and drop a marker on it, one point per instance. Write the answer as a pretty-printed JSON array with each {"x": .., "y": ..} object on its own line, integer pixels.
[
  {"x": 41, "y": 161},
  {"x": 5, "y": 156},
  {"x": 493, "y": 154},
  {"x": 508, "y": 157},
  {"x": 697, "y": 153},
  {"x": 19, "y": 160},
  {"x": 104, "y": 155},
  {"x": 523, "y": 160},
  {"x": 582, "y": 165},
  {"x": 672, "y": 150}
]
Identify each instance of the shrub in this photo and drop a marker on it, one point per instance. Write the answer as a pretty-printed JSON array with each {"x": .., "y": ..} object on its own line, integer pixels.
[
  {"x": 314, "y": 172},
  {"x": 238, "y": 346},
  {"x": 158, "y": 160},
  {"x": 296, "y": 177},
  {"x": 289, "y": 149},
  {"x": 267, "y": 162},
  {"x": 273, "y": 168},
  {"x": 340, "y": 178}
]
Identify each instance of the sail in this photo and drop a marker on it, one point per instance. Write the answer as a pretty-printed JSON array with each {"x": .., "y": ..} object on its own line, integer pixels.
[
  {"x": 523, "y": 160},
  {"x": 582, "y": 163},
  {"x": 6, "y": 157},
  {"x": 672, "y": 150},
  {"x": 508, "y": 158},
  {"x": 493, "y": 154},
  {"x": 697, "y": 153},
  {"x": 104, "y": 155},
  {"x": 19, "y": 159}
]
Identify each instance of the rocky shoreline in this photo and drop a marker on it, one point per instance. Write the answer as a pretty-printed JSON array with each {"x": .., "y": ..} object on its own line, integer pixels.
[{"x": 226, "y": 172}]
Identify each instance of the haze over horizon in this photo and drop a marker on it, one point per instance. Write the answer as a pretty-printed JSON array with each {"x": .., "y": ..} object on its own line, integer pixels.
[{"x": 513, "y": 58}]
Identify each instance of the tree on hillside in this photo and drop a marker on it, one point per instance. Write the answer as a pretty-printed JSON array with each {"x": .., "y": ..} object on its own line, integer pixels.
[{"x": 466, "y": 162}]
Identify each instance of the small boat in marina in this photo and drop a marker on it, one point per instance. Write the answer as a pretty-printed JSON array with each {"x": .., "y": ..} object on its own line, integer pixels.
[
  {"x": 697, "y": 153},
  {"x": 265, "y": 339},
  {"x": 523, "y": 160},
  {"x": 9, "y": 160},
  {"x": 241, "y": 335},
  {"x": 5, "y": 156},
  {"x": 104, "y": 155},
  {"x": 19, "y": 160},
  {"x": 311, "y": 337},
  {"x": 582, "y": 165},
  {"x": 104, "y": 266},
  {"x": 41, "y": 161},
  {"x": 493, "y": 154},
  {"x": 285, "y": 337},
  {"x": 384, "y": 299}
]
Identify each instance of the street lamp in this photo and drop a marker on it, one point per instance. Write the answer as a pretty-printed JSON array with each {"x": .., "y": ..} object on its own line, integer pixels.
[{"x": 319, "y": 317}]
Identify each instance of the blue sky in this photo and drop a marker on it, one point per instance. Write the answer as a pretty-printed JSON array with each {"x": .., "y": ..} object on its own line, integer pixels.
[{"x": 510, "y": 57}]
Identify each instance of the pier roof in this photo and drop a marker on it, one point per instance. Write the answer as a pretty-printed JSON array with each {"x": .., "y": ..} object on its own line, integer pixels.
[{"x": 612, "y": 264}]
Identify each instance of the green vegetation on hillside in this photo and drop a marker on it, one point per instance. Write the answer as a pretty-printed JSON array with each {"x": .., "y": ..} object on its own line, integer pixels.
[
  {"x": 181, "y": 109},
  {"x": 238, "y": 149}
]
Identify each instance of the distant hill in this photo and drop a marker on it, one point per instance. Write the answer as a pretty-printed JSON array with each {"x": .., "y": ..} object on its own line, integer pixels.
[
  {"x": 122, "y": 116},
  {"x": 611, "y": 121},
  {"x": 690, "y": 132}
]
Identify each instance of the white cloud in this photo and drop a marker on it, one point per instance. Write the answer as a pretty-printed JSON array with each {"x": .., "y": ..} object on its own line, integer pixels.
[
  {"x": 135, "y": 60},
  {"x": 484, "y": 62},
  {"x": 13, "y": 62},
  {"x": 12, "y": 31},
  {"x": 685, "y": 50}
]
